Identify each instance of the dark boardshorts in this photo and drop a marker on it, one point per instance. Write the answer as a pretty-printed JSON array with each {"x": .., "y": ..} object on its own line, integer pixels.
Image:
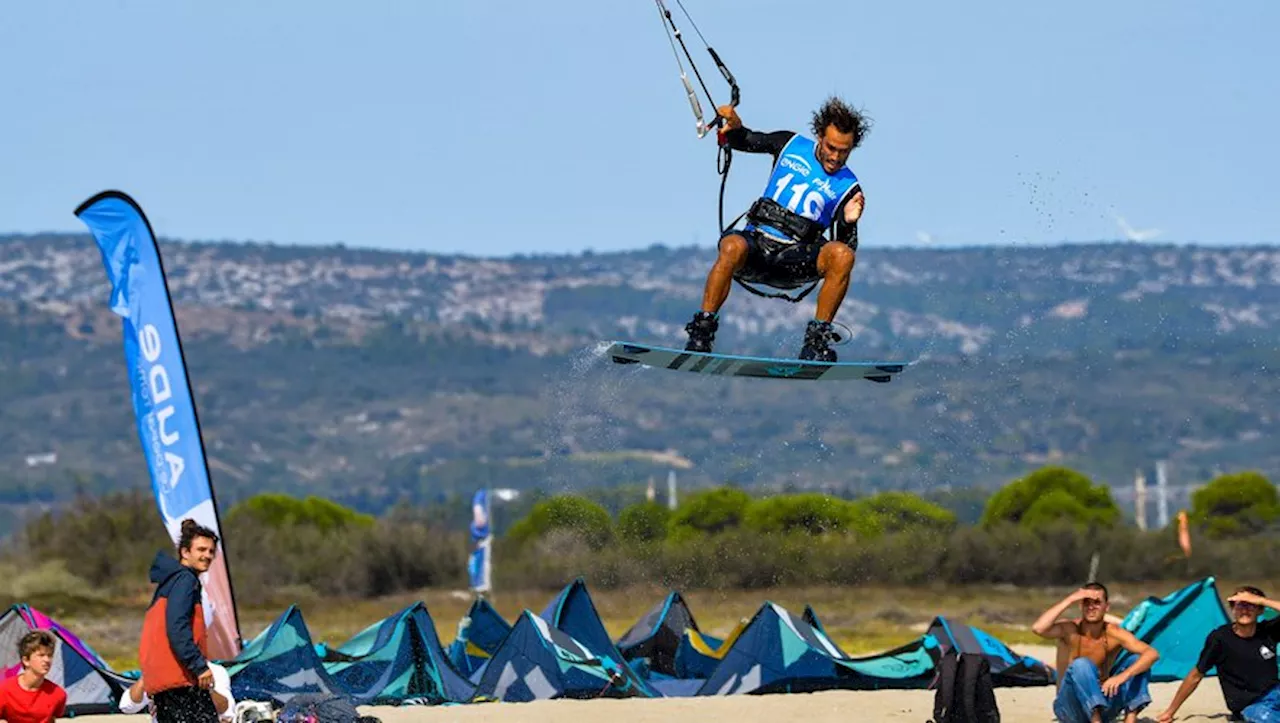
[
  {"x": 778, "y": 264},
  {"x": 185, "y": 705}
]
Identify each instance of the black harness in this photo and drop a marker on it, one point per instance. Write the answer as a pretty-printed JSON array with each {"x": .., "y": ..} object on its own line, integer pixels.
[{"x": 768, "y": 212}]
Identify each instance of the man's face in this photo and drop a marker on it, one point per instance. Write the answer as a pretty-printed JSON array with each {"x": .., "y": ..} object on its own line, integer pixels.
[
  {"x": 1245, "y": 613},
  {"x": 834, "y": 148},
  {"x": 200, "y": 555},
  {"x": 1094, "y": 609},
  {"x": 39, "y": 662}
]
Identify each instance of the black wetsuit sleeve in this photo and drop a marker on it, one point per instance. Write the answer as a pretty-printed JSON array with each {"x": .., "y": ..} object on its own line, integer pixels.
[
  {"x": 749, "y": 141},
  {"x": 847, "y": 232}
]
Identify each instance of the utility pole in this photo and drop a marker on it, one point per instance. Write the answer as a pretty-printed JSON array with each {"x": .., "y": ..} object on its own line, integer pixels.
[
  {"x": 1140, "y": 500},
  {"x": 671, "y": 490},
  {"x": 1162, "y": 496}
]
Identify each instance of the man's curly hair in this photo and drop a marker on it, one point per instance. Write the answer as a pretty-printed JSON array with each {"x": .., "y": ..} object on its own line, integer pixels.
[{"x": 835, "y": 112}]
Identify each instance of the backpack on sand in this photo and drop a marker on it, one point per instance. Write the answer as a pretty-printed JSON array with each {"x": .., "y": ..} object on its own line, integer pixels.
[{"x": 965, "y": 693}]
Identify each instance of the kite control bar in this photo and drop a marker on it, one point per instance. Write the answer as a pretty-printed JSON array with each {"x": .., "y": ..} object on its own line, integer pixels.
[
  {"x": 725, "y": 156},
  {"x": 675, "y": 36}
]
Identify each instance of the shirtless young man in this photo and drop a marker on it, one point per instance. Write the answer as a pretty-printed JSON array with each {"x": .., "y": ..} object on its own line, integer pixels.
[{"x": 1090, "y": 691}]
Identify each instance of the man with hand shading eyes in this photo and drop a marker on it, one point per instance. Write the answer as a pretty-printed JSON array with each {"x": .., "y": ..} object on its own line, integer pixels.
[{"x": 1244, "y": 652}]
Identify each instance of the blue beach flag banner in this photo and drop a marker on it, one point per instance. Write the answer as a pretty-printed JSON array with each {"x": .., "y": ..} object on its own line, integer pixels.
[
  {"x": 482, "y": 536},
  {"x": 163, "y": 406}
]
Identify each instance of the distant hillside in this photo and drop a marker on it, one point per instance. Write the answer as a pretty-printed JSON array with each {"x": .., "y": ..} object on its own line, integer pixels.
[{"x": 376, "y": 376}]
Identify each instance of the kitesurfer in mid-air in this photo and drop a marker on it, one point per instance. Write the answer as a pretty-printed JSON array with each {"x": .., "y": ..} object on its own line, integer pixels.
[{"x": 810, "y": 193}]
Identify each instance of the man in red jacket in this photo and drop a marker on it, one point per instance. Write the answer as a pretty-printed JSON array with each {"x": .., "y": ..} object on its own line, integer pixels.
[
  {"x": 173, "y": 654},
  {"x": 27, "y": 697}
]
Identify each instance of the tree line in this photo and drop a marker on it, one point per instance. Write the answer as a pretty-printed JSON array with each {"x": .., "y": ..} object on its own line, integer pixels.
[{"x": 1042, "y": 529}]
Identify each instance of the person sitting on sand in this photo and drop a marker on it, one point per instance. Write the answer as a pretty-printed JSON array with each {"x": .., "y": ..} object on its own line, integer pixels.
[
  {"x": 1244, "y": 652},
  {"x": 1090, "y": 691}
]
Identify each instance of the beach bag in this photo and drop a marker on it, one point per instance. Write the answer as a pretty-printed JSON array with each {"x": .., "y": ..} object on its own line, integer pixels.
[
  {"x": 319, "y": 708},
  {"x": 964, "y": 691}
]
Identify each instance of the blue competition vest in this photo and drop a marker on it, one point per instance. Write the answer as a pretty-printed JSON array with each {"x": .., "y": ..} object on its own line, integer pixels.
[{"x": 801, "y": 185}]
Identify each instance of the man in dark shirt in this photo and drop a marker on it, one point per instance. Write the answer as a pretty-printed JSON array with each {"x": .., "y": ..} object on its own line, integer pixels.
[
  {"x": 802, "y": 228},
  {"x": 1244, "y": 652}
]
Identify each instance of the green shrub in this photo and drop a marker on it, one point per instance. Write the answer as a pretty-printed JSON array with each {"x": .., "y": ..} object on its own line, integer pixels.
[
  {"x": 1235, "y": 505},
  {"x": 899, "y": 511},
  {"x": 578, "y": 515},
  {"x": 644, "y": 522},
  {"x": 1049, "y": 495},
  {"x": 813, "y": 514},
  {"x": 107, "y": 541},
  {"x": 279, "y": 510},
  {"x": 709, "y": 512}
]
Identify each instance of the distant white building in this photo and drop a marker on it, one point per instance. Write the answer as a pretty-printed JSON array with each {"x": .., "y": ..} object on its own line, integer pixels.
[{"x": 35, "y": 460}]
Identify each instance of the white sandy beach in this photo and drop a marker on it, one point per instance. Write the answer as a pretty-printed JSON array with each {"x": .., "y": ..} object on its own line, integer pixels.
[
  {"x": 1032, "y": 705},
  {"x": 1016, "y": 705}
]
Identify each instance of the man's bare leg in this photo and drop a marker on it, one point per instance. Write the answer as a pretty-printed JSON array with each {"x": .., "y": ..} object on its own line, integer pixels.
[
  {"x": 835, "y": 263},
  {"x": 702, "y": 329},
  {"x": 732, "y": 257}
]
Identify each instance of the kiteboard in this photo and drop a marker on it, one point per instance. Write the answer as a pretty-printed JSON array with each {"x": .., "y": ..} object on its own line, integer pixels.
[{"x": 729, "y": 365}]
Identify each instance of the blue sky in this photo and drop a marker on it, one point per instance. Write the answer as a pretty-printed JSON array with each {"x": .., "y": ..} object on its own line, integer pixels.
[{"x": 495, "y": 128}]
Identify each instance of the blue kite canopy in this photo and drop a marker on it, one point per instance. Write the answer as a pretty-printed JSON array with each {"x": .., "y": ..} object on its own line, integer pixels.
[
  {"x": 398, "y": 660},
  {"x": 698, "y": 654},
  {"x": 573, "y": 612},
  {"x": 912, "y": 665},
  {"x": 778, "y": 652},
  {"x": 479, "y": 635},
  {"x": 280, "y": 663},
  {"x": 1176, "y": 626},
  {"x": 811, "y": 616},
  {"x": 1008, "y": 669},
  {"x": 538, "y": 662},
  {"x": 657, "y": 635}
]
